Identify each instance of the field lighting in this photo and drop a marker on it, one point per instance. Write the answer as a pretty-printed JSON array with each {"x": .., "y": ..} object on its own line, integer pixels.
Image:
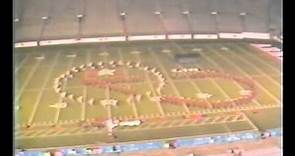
[
  {"x": 80, "y": 16},
  {"x": 157, "y": 12},
  {"x": 186, "y": 12},
  {"x": 243, "y": 14},
  {"x": 123, "y": 13},
  {"x": 214, "y": 13},
  {"x": 44, "y": 17},
  {"x": 16, "y": 20}
]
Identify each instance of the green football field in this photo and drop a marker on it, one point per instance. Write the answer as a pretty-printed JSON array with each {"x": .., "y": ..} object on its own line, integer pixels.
[{"x": 37, "y": 68}]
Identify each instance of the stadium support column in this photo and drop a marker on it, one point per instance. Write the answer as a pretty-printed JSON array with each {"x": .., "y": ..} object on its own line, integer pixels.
[
  {"x": 123, "y": 19},
  {"x": 45, "y": 21},
  {"x": 158, "y": 13},
  {"x": 268, "y": 22},
  {"x": 17, "y": 13},
  {"x": 186, "y": 15},
  {"x": 214, "y": 15},
  {"x": 80, "y": 18},
  {"x": 160, "y": 18},
  {"x": 243, "y": 21}
]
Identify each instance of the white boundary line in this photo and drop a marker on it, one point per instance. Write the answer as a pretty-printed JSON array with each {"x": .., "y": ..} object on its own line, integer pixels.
[
  {"x": 210, "y": 61},
  {"x": 148, "y": 127},
  {"x": 168, "y": 77},
  {"x": 126, "y": 72},
  {"x": 21, "y": 64},
  {"x": 85, "y": 95},
  {"x": 247, "y": 75},
  {"x": 58, "y": 110},
  {"x": 100, "y": 39},
  {"x": 190, "y": 80},
  {"x": 250, "y": 53},
  {"x": 152, "y": 88},
  {"x": 107, "y": 91},
  {"x": 255, "y": 66},
  {"x": 27, "y": 81},
  {"x": 39, "y": 97}
]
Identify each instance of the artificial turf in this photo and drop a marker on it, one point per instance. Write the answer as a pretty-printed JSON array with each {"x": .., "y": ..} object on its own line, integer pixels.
[{"x": 34, "y": 93}]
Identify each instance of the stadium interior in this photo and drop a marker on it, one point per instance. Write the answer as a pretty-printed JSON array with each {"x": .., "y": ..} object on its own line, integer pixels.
[{"x": 148, "y": 77}]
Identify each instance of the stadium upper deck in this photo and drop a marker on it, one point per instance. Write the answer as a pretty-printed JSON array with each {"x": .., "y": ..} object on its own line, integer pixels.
[{"x": 102, "y": 17}]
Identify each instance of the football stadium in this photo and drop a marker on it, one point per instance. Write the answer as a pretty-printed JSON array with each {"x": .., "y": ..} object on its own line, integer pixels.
[{"x": 133, "y": 77}]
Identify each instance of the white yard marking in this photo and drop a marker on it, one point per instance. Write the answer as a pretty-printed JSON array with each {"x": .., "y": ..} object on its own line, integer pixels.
[
  {"x": 153, "y": 126},
  {"x": 210, "y": 60},
  {"x": 65, "y": 84},
  {"x": 74, "y": 87},
  {"x": 168, "y": 78},
  {"x": 21, "y": 64},
  {"x": 71, "y": 55},
  {"x": 225, "y": 94},
  {"x": 107, "y": 90},
  {"x": 227, "y": 110},
  {"x": 152, "y": 89},
  {"x": 190, "y": 80},
  {"x": 254, "y": 66},
  {"x": 126, "y": 74},
  {"x": 40, "y": 95},
  {"x": 251, "y": 123},
  {"x": 248, "y": 76},
  {"x": 249, "y": 53},
  {"x": 29, "y": 77},
  {"x": 109, "y": 109},
  {"x": 83, "y": 104}
]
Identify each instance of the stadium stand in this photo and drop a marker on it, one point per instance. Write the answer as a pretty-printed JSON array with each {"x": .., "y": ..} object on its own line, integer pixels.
[
  {"x": 257, "y": 18},
  {"x": 201, "y": 19},
  {"x": 275, "y": 15},
  {"x": 243, "y": 16},
  {"x": 135, "y": 13},
  {"x": 30, "y": 25},
  {"x": 228, "y": 19},
  {"x": 62, "y": 22},
  {"x": 101, "y": 19},
  {"x": 173, "y": 21}
]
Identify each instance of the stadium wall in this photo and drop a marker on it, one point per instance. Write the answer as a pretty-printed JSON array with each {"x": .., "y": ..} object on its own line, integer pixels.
[
  {"x": 157, "y": 144},
  {"x": 222, "y": 35}
]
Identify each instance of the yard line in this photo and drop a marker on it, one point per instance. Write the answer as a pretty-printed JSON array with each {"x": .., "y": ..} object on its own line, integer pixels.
[
  {"x": 65, "y": 84},
  {"x": 263, "y": 62},
  {"x": 83, "y": 104},
  {"x": 254, "y": 66},
  {"x": 217, "y": 86},
  {"x": 32, "y": 72},
  {"x": 107, "y": 91},
  {"x": 40, "y": 95},
  {"x": 21, "y": 63},
  {"x": 152, "y": 88},
  {"x": 168, "y": 77},
  {"x": 229, "y": 110},
  {"x": 210, "y": 60},
  {"x": 71, "y": 87},
  {"x": 225, "y": 94},
  {"x": 261, "y": 76},
  {"x": 109, "y": 109},
  {"x": 126, "y": 73},
  {"x": 252, "y": 124},
  {"x": 190, "y": 80},
  {"x": 248, "y": 76},
  {"x": 81, "y": 132}
]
